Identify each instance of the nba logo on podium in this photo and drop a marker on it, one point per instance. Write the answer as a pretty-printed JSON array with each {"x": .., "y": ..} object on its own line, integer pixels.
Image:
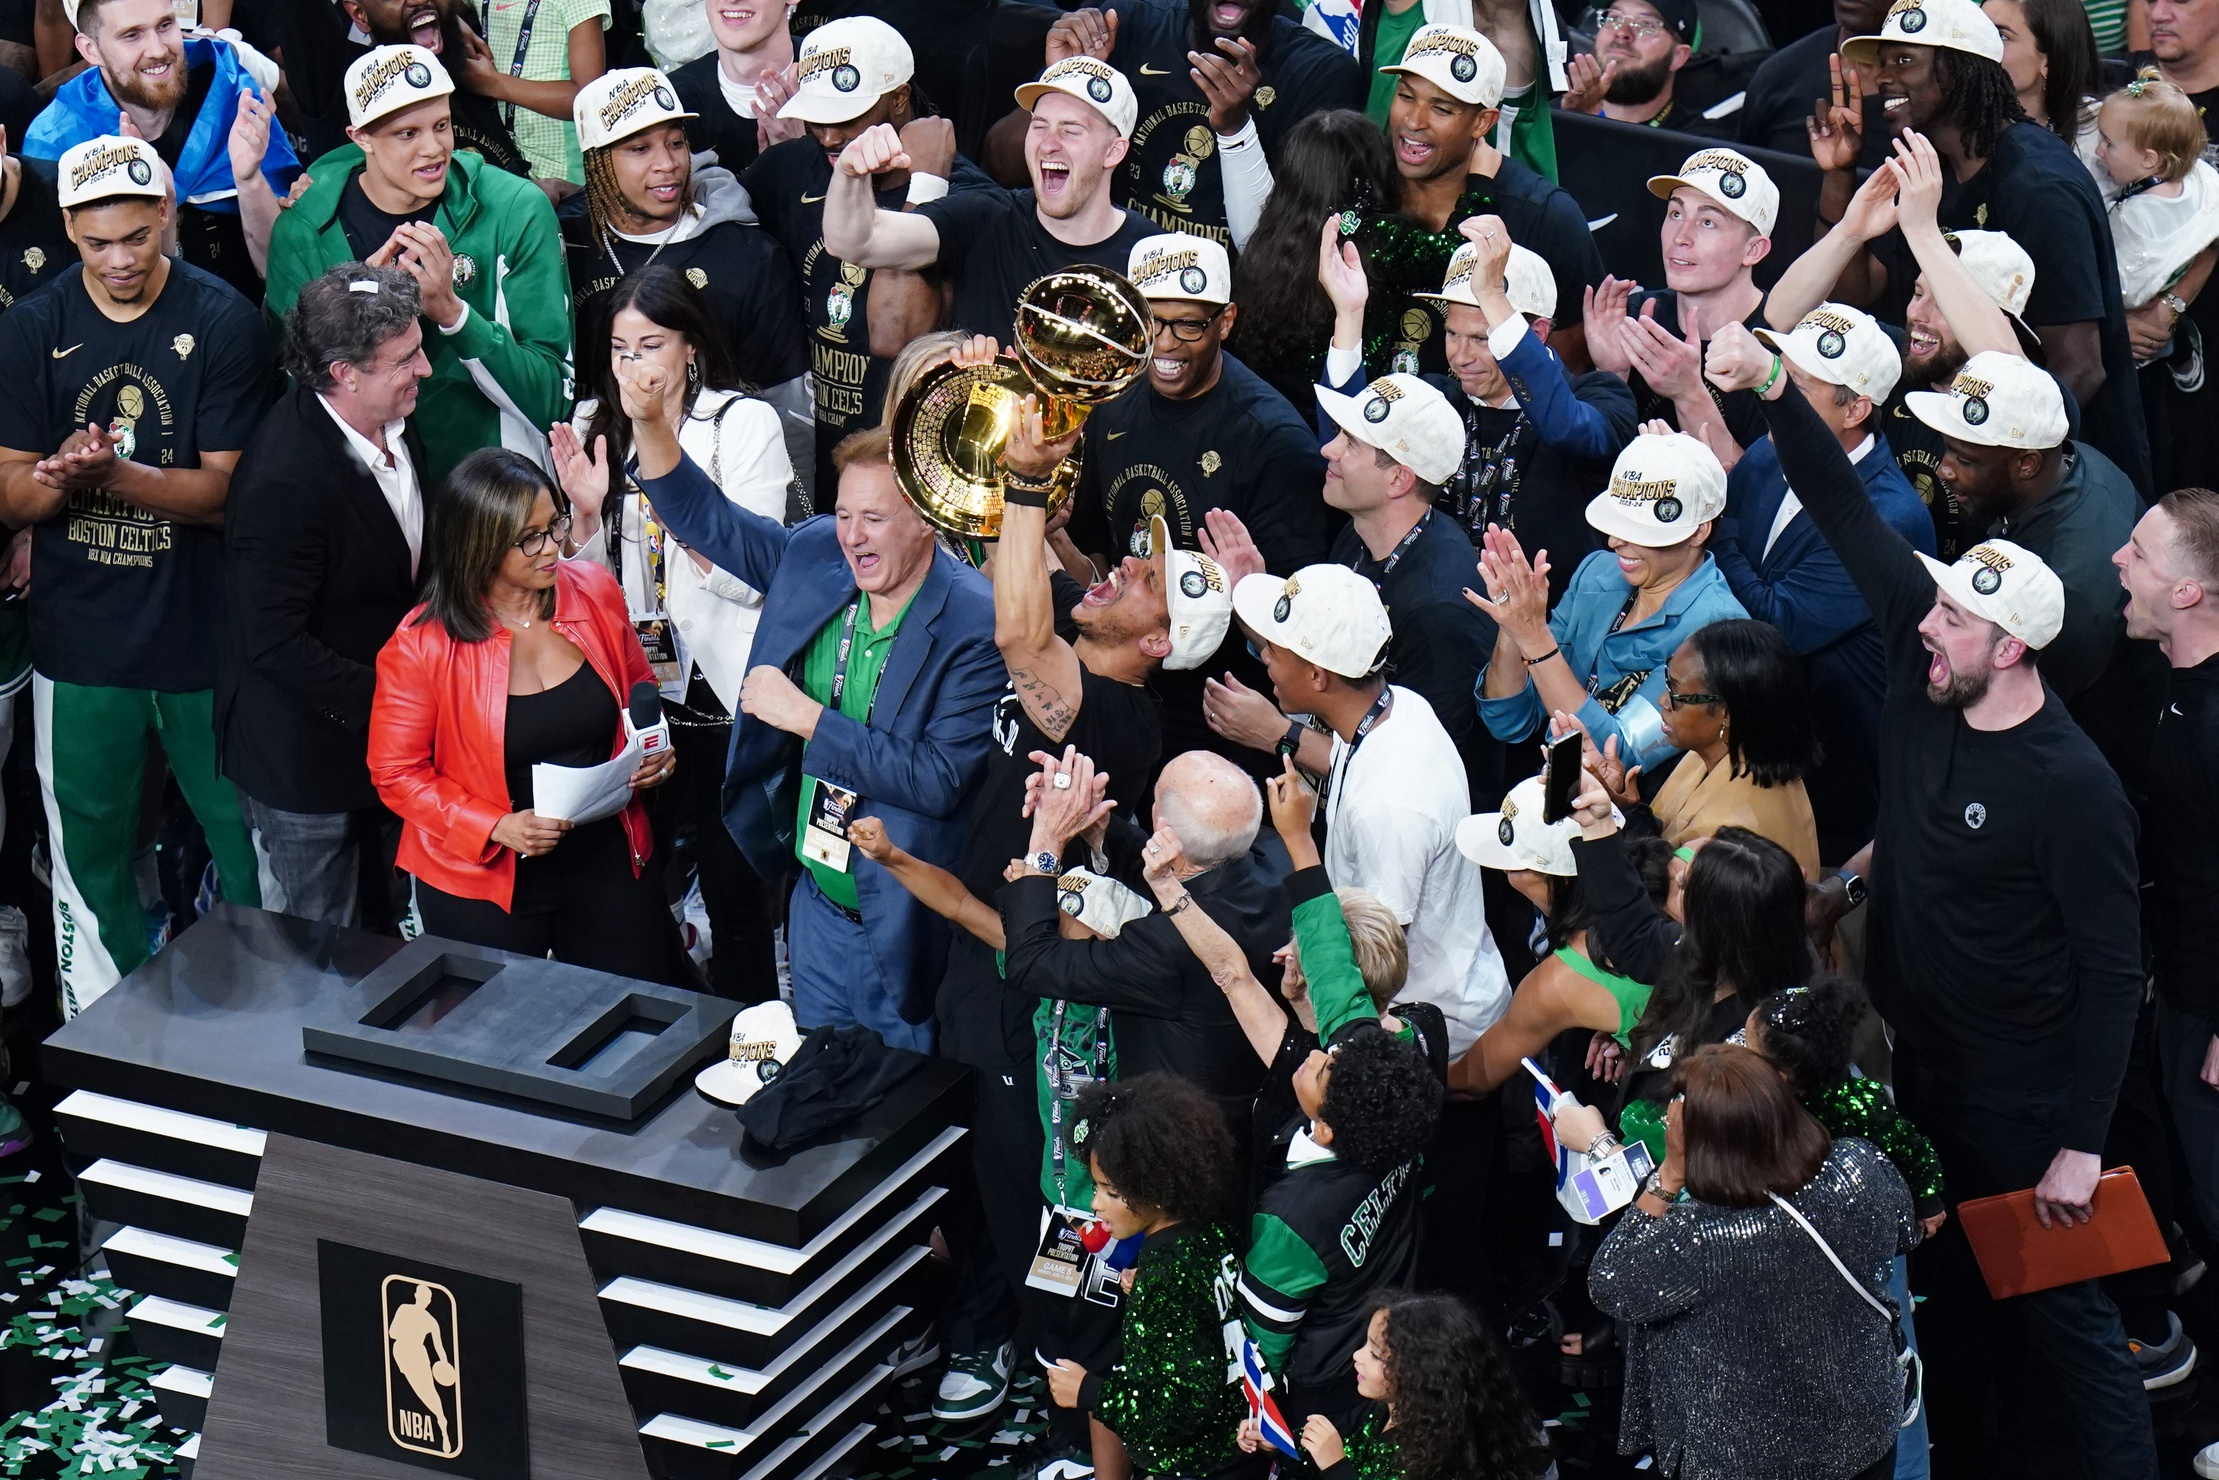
[{"x": 423, "y": 1365}]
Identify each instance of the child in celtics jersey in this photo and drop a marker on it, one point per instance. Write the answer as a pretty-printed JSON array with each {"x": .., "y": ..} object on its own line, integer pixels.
[{"x": 1164, "y": 1169}]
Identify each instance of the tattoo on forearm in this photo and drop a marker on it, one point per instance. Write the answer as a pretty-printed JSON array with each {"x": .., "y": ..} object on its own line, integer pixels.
[{"x": 1043, "y": 703}]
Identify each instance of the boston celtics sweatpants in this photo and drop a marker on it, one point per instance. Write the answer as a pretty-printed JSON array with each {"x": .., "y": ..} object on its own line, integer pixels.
[{"x": 91, "y": 762}]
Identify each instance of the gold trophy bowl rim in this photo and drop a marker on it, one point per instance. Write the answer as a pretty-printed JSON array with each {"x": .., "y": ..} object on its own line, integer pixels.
[
  {"x": 1065, "y": 382},
  {"x": 948, "y": 497}
]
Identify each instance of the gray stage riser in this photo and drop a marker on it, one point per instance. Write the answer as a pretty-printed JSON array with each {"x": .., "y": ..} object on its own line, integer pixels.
[
  {"x": 149, "y": 1276},
  {"x": 653, "y": 1392},
  {"x": 163, "y": 1215},
  {"x": 87, "y": 1140},
  {"x": 672, "y": 1461},
  {"x": 634, "y": 1325},
  {"x": 614, "y": 1257}
]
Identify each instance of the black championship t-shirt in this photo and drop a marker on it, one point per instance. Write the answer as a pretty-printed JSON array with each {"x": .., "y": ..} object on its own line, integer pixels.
[
  {"x": 1542, "y": 217},
  {"x": 787, "y": 185},
  {"x": 1740, "y": 410},
  {"x": 368, "y": 228},
  {"x": 740, "y": 269},
  {"x": 121, "y": 597},
  {"x": 34, "y": 247},
  {"x": 213, "y": 240},
  {"x": 733, "y": 139},
  {"x": 1172, "y": 173},
  {"x": 1118, "y": 725},
  {"x": 992, "y": 246}
]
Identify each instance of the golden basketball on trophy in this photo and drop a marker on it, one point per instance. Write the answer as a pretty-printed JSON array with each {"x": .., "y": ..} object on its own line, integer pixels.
[{"x": 1081, "y": 337}]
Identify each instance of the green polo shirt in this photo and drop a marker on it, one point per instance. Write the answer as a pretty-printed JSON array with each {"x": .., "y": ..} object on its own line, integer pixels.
[{"x": 868, "y": 660}]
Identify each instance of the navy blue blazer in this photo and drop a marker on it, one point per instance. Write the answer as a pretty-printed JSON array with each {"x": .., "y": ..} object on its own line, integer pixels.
[{"x": 917, "y": 761}]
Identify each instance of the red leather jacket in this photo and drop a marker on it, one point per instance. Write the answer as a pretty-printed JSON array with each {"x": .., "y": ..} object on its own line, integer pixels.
[{"x": 440, "y": 719}]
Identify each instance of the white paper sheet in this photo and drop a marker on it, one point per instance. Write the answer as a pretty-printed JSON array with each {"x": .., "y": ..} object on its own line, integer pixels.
[{"x": 585, "y": 793}]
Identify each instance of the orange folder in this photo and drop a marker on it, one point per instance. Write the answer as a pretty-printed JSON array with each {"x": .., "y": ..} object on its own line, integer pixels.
[{"x": 2019, "y": 1256}]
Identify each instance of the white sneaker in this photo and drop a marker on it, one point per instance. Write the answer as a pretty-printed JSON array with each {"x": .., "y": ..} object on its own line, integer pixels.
[
  {"x": 974, "y": 1385},
  {"x": 15, "y": 957},
  {"x": 2206, "y": 1462}
]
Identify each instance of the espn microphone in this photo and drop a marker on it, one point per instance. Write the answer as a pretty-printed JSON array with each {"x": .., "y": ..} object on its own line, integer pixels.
[{"x": 645, "y": 718}]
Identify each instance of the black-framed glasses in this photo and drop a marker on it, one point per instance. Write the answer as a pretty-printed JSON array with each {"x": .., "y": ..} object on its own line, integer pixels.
[
  {"x": 1641, "y": 27},
  {"x": 535, "y": 541},
  {"x": 1189, "y": 331},
  {"x": 1686, "y": 701}
]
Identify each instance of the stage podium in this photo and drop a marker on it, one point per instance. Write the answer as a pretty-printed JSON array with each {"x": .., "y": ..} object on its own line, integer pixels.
[{"x": 433, "y": 1207}]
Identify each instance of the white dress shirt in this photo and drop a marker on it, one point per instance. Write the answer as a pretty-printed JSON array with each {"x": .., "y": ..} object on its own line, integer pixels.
[{"x": 395, "y": 475}]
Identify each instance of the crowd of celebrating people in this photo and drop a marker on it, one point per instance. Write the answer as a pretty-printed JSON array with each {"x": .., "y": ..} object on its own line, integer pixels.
[{"x": 1753, "y": 735}]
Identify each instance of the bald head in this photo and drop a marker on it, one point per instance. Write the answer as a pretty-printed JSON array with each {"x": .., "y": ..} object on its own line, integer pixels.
[{"x": 1212, "y": 805}]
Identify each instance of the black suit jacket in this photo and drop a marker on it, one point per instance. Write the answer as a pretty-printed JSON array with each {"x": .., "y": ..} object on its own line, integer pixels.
[{"x": 316, "y": 579}]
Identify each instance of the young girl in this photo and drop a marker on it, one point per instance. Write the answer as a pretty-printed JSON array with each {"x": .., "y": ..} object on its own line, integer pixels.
[
  {"x": 1163, "y": 1167},
  {"x": 1441, "y": 1403},
  {"x": 2151, "y": 144}
]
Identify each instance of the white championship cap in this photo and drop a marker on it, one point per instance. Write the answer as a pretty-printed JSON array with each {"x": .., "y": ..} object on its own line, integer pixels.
[
  {"x": 1095, "y": 83},
  {"x": 1662, "y": 487},
  {"x": 1841, "y": 346},
  {"x": 1528, "y": 283},
  {"x": 1997, "y": 400},
  {"x": 1959, "y": 25},
  {"x": 1098, "y": 902},
  {"x": 2008, "y": 584},
  {"x": 387, "y": 79},
  {"x": 1998, "y": 264},
  {"x": 764, "y": 1038},
  {"x": 1461, "y": 63},
  {"x": 1176, "y": 265},
  {"x": 845, "y": 67},
  {"x": 1405, "y": 418},
  {"x": 1197, "y": 596},
  {"x": 1517, "y": 838},
  {"x": 1323, "y": 614},
  {"x": 107, "y": 166},
  {"x": 1732, "y": 179},
  {"x": 617, "y": 105}
]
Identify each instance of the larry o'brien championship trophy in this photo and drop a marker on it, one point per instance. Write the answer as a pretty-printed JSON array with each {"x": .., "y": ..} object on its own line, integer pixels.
[{"x": 1082, "y": 336}]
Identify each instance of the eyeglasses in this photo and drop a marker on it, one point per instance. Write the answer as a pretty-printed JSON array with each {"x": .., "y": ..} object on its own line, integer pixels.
[
  {"x": 1642, "y": 29},
  {"x": 1684, "y": 701},
  {"x": 1188, "y": 331},
  {"x": 536, "y": 541}
]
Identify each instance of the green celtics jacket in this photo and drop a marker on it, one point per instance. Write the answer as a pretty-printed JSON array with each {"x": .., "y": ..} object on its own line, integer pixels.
[
  {"x": 504, "y": 377},
  {"x": 1327, "y": 1239}
]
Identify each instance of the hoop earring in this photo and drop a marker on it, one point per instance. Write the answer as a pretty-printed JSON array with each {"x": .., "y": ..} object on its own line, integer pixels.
[{"x": 693, "y": 374}]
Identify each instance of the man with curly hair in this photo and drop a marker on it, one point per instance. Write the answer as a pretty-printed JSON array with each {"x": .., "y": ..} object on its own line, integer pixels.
[{"x": 1336, "y": 1226}]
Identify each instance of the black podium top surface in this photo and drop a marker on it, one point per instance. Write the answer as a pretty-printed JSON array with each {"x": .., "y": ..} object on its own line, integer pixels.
[{"x": 212, "y": 1026}]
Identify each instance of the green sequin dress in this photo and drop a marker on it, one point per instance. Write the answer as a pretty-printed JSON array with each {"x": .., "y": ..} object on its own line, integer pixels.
[
  {"x": 1172, "y": 1396},
  {"x": 1368, "y": 1453}
]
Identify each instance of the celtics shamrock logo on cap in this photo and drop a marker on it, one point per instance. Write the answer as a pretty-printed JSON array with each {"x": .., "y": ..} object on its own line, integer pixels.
[
  {"x": 1375, "y": 409},
  {"x": 1194, "y": 279},
  {"x": 1505, "y": 831},
  {"x": 1193, "y": 584},
  {"x": 1831, "y": 345},
  {"x": 140, "y": 171},
  {"x": 418, "y": 74},
  {"x": 1285, "y": 604},
  {"x": 1732, "y": 185},
  {"x": 1463, "y": 68},
  {"x": 665, "y": 101},
  {"x": 1976, "y": 411},
  {"x": 846, "y": 78},
  {"x": 1911, "y": 22},
  {"x": 1669, "y": 509},
  {"x": 1986, "y": 581},
  {"x": 1098, "y": 89},
  {"x": 1070, "y": 901}
]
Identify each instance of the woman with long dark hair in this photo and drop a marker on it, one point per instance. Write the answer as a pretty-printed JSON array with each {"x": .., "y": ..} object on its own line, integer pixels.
[
  {"x": 1335, "y": 161},
  {"x": 1751, "y": 1275},
  {"x": 517, "y": 658},
  {"x": 1738, "y": 703},
  {"x": 2053, "y": 57},
  {"x": 1440, "y": 1402},
  {"x": 696, "y": 621}
]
